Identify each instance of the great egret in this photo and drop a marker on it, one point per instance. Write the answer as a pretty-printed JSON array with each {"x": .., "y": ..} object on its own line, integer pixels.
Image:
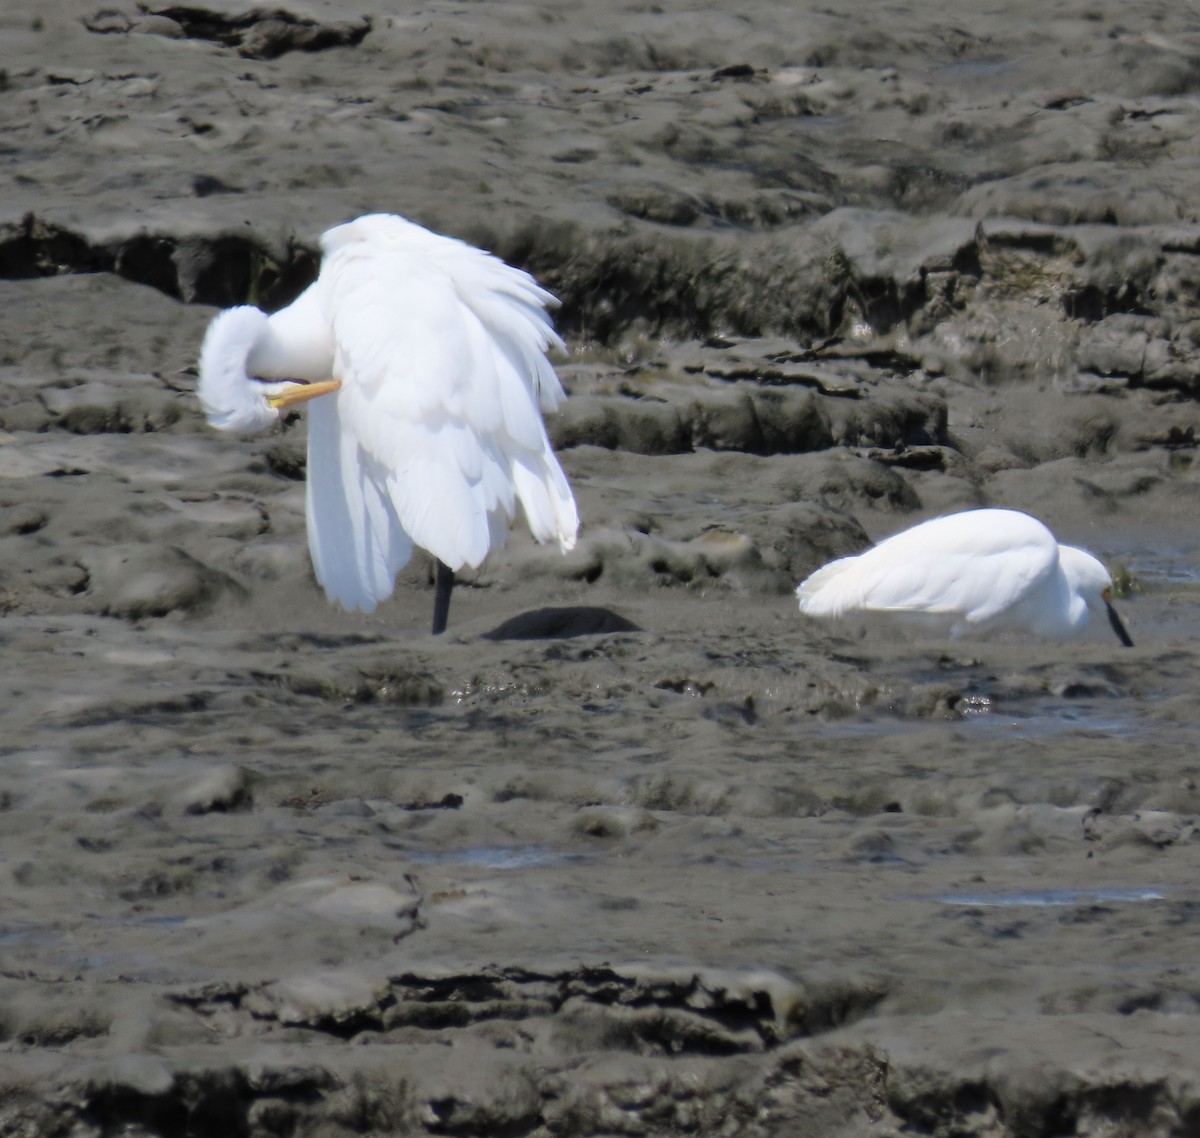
[
  {"x": 425, "y": 361},
  {"x": 975, "y": 571}
]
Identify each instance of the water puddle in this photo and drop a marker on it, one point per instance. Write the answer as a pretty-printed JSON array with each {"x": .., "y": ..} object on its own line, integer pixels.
[
  {"x": 141, "y": 922},
  {"x": 972, "y": 71},
  {"x": 1037, "y": 719},
  {"x": 1042, "y": 898},
  {"x": 1156, "y": 569},
  {"x": 499, "y": 857},
  {"x": 1047, "y": 719},
  {"x": 27, "y": 935}
]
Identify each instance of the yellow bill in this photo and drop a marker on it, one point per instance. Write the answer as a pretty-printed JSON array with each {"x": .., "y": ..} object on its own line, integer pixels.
[{"x": 302, "y": 393}]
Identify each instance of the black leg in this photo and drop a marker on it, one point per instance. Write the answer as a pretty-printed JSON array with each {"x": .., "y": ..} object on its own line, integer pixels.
[{"x": 441, "y": 598}]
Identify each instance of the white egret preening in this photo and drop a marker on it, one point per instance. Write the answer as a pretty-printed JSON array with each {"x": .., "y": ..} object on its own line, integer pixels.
[
  {"x": 978, "y": 571},
  {"x": 425, "y": 361}
]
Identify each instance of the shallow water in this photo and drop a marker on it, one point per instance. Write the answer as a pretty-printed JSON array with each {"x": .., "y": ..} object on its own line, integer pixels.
[
  {"x": 498, "y": 857},
  {"x": 977, "y": 716},
  {"x": 1048, "y": 718},
  {"x": 1050, "y": 897}
]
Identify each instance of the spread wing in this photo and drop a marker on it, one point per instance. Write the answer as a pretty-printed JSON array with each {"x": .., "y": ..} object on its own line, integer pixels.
[
  {"x": 441, "y": 352},
  {"x": 973, "y": 565}
]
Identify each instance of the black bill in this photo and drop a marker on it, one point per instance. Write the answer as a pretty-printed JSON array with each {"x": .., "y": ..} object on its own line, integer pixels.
[{"x": 1118, "y": 626}]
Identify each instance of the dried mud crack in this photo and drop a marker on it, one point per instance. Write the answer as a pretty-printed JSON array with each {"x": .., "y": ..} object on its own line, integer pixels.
[{"x": 635, "y": 1009}]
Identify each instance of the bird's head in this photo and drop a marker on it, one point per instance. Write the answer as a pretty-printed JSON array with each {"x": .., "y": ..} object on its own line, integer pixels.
[
  {"x": 232, "y": 397},
  {"x": 1091, "y": 585}
]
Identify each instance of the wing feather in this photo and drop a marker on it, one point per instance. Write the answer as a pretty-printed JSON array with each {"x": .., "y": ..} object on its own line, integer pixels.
[
  {"x": 547, "y": 500},
  {"x": 441, "y": 351},
  {"x": 355, "y": 539},
  {"x": 972, "y": 565},
  {"x": 441, "y": 510}
]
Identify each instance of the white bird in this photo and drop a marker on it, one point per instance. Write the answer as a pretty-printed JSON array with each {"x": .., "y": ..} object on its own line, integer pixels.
[
  {"x": 977, "y": 571},
  {"x": 425, "y": 360}
]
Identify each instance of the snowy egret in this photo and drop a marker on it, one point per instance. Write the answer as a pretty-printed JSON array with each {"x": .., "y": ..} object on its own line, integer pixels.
[
  {"x": 976, "y": 571},
  {"x": 425, "y": 361}
]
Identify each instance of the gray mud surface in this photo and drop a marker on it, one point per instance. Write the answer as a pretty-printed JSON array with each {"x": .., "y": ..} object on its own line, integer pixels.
[{"x": 634, "y": 849}]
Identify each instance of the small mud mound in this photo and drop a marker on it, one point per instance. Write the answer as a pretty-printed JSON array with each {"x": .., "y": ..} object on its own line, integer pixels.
[{"x": 561, "y": 624}]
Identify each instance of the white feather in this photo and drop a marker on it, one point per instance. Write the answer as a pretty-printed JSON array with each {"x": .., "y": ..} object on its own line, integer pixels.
[
  {"x": 436, "y": 433},
  {"x": 976, "y": 570},
  {"x": 354, "y": 537},
  {"x": 230, "y": 402}
]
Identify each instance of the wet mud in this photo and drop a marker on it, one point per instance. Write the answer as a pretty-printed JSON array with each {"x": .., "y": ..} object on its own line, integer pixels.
[{"x": 633, "y": 848}]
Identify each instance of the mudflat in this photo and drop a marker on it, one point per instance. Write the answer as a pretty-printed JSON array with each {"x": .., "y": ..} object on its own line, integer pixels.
[{"x": 634, "y": 848}]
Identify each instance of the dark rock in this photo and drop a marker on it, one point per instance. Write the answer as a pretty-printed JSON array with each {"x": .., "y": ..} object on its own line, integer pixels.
[{"x": 561, "y": 623}]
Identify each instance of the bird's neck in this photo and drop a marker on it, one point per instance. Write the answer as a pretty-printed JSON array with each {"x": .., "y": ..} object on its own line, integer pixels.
[{"x": 297, "y": 343}]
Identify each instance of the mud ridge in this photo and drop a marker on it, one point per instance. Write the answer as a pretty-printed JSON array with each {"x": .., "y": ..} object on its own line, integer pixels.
[
  {"x": 940, "y": 303},
  {"x": 219, "y": 269},
  {"x": 668, "y": 1014},
  {"x": 257, "y": 33}
]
